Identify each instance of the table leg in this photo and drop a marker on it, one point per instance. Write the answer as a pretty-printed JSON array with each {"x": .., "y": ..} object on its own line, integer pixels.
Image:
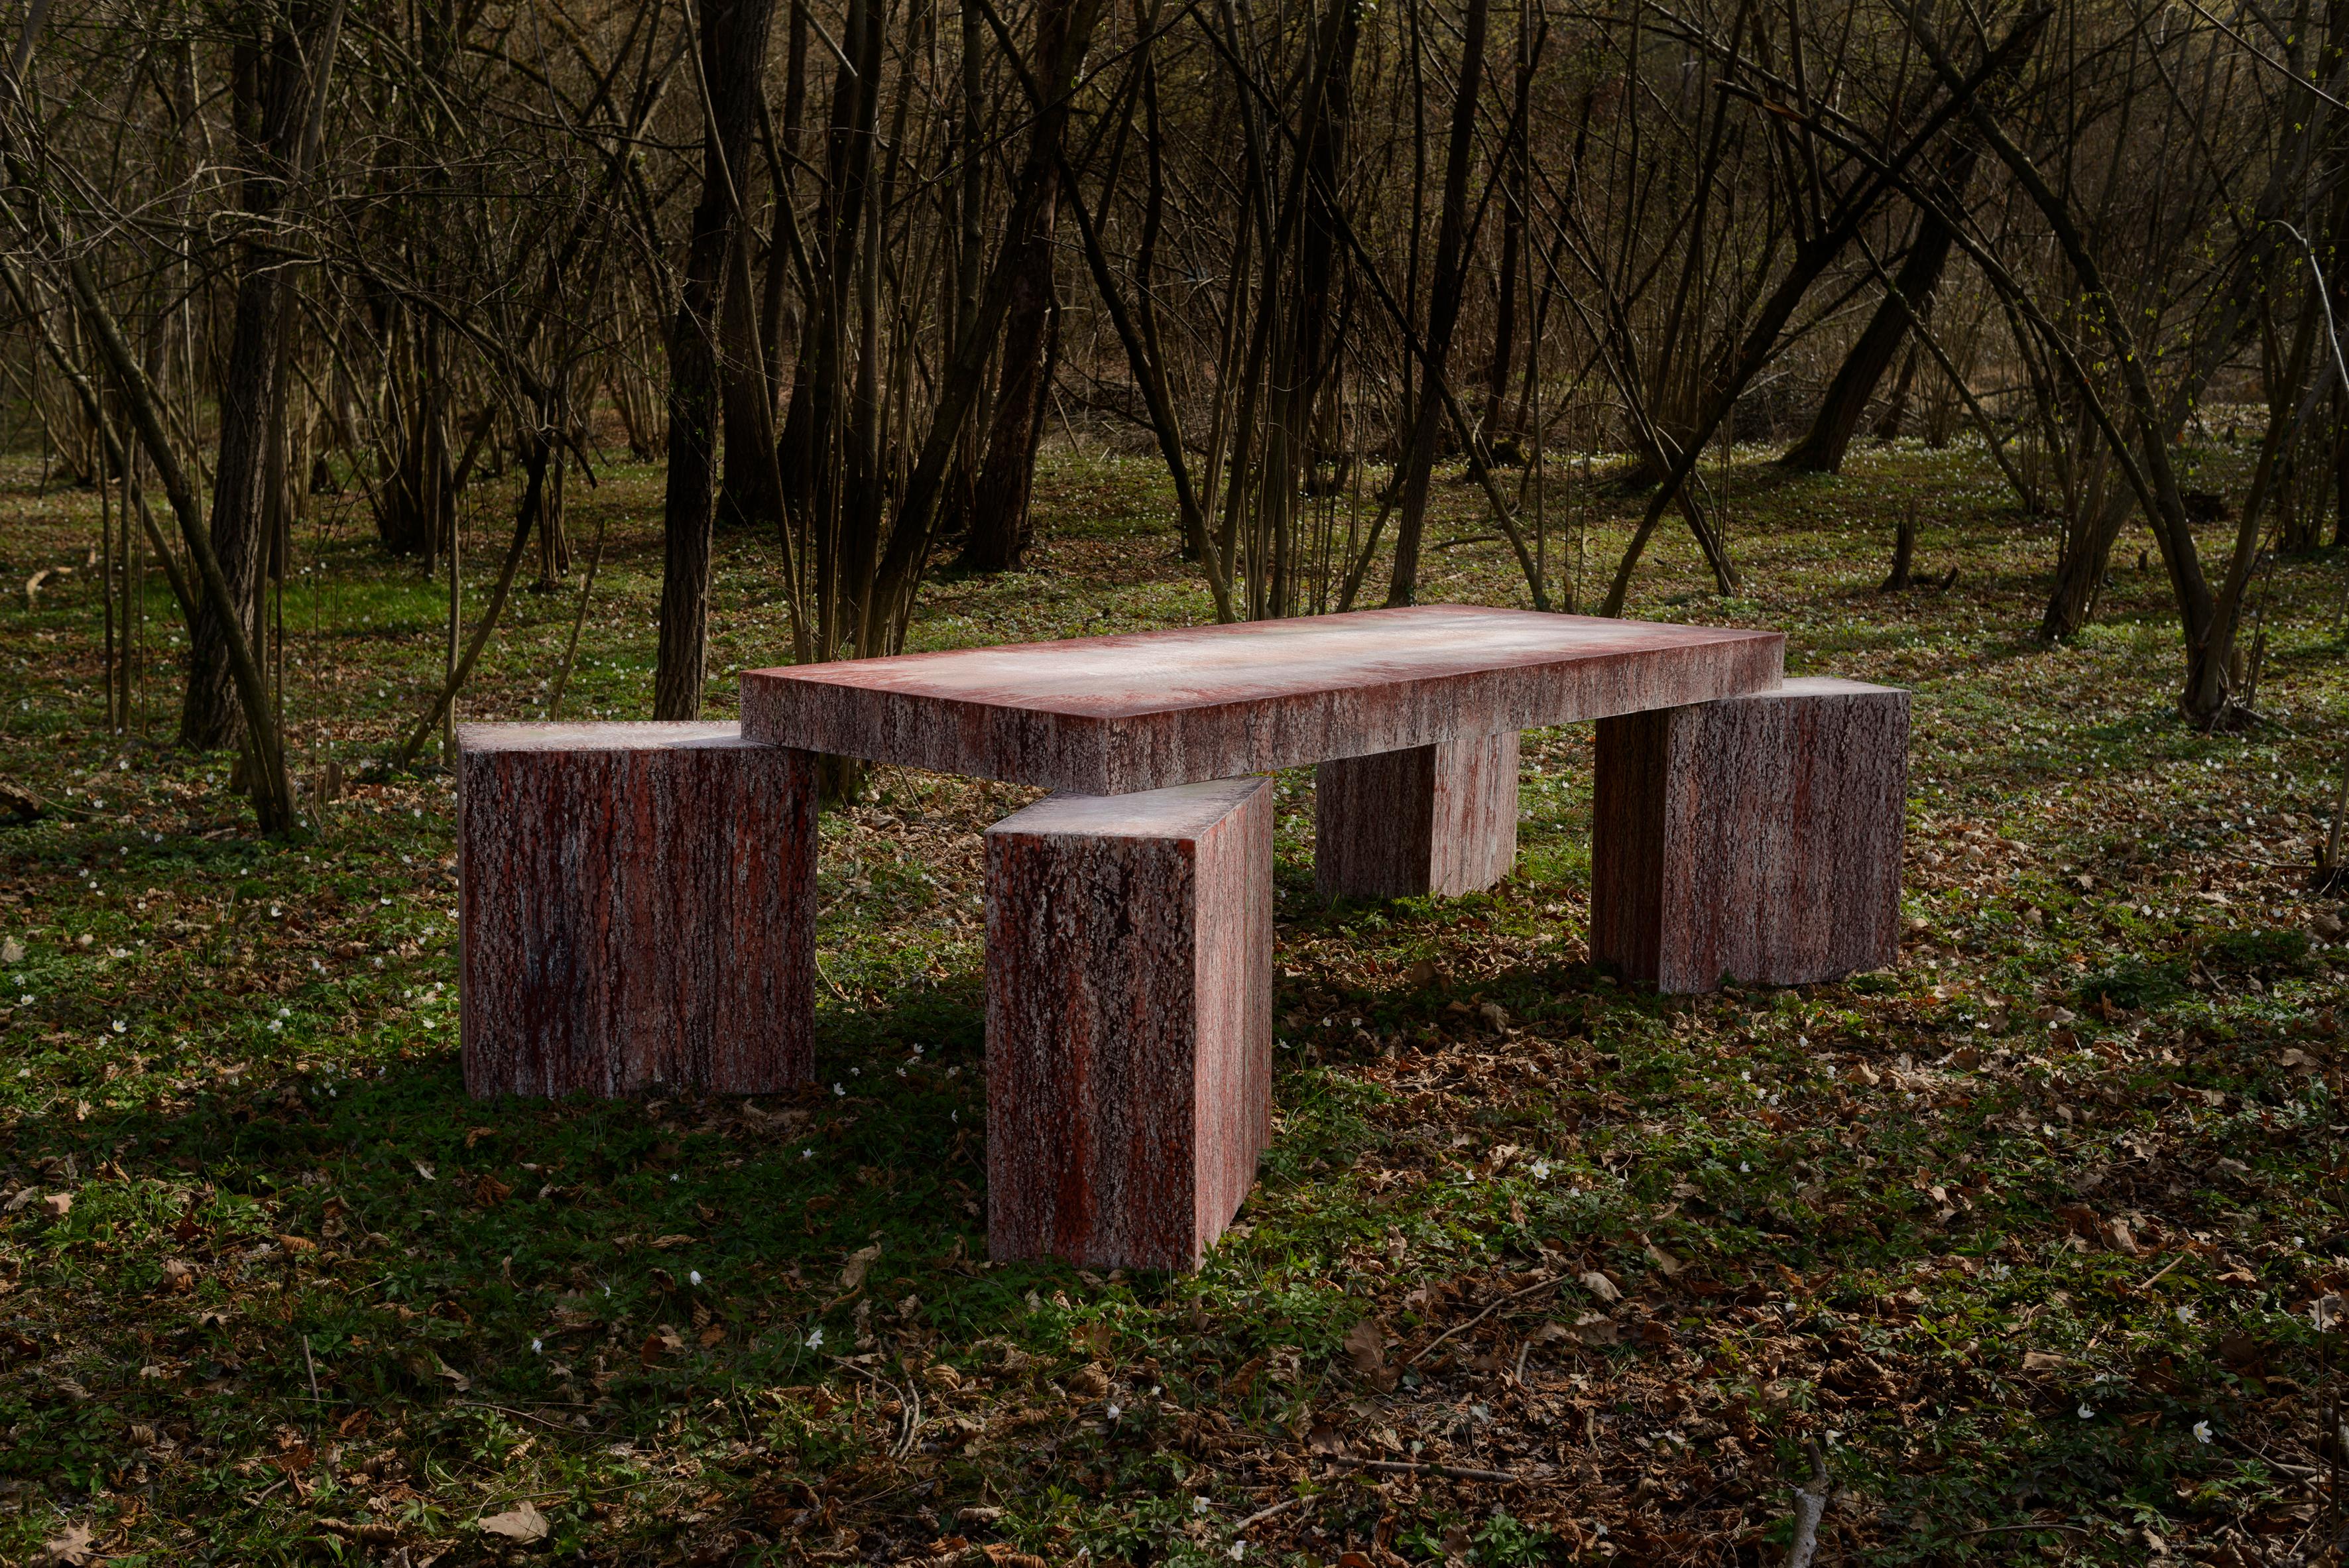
[
  {"x": 1756, "y": 838},
  {"x": 1439, "y": 818},
  {"x": 1129, "y": 1022}
]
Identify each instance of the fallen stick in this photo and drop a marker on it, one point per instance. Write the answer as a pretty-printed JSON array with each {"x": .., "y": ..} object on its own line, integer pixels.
[
  {"x": 1421, "y": 1467},
  {"x": 1810, "y": 1508},
  {"x": 1261, "y": 1514},
  {"x": 1513, "y": 1295}
]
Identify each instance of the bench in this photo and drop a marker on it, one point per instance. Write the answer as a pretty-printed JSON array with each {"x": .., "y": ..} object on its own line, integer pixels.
[
  {"x": 637, "y": 909},
  {"x": 1755, "y": 838}
]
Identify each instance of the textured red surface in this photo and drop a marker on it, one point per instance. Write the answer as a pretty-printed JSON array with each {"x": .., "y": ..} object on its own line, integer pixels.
[
  {"x": 1757, "y": 838},
  {"x": 1439, "y": 818},
  {"x": 1106, "y": 715},
  {"x": 637, "y": 909},
  {"x": 1129, "y": 1022}
]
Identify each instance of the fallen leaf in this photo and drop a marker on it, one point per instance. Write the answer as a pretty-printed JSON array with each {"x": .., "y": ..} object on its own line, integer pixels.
[
  {"x": 424, "y": 1170},
  {"x": 2042, "y": 1361},
  {"x": 1003, "y": 1556},
  {"x": 1600, "y": 1286},
  {"x": 428, "y": 1364},
  {"x": 1366, "y": 1347},
  {"x": 860, "y": 1262},
  {"x": 297, "y": 1243},
  {"x": 1594, "y": 1330},
  {"x": 75, "y": 1544},
  {"x": 1665, "y": 1261},
  {"x": 57, "y": 1205},
  {"x": 522, "y": 1524},
  {"x": 12, "y": 952}
]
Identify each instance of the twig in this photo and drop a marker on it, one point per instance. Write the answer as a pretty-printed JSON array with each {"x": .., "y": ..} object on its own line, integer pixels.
[
  {"x": 910, "y": 1405},
  {"x": 312, "y": 1367},
  {"x": 1421, "y": 1467},
  {"x": 571, "y": 648},
  {"x": 509, "y": 1410},
  {"x": 1810, "y": 1507},
  {"x": 1261, "y": 1514},
  {"x": 2002, "y": 1528},
  {"x": 1513, "y": 1295}
]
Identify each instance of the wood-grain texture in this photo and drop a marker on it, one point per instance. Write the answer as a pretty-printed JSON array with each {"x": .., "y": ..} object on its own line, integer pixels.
[
  {"x": 1106, "y": 715},
  {"x": 637, "y": 909},
  {"x": 1756, "y": 838},
  {"x": 1439, "y": 818},
  {"x": 1129, "y": 1022}
]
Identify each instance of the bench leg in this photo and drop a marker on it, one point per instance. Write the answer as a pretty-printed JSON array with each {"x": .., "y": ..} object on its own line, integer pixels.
[
  {"x": 1756, "y": 838},
  {"x": 639, "y": 909},
  {"x": 1129, "y": 1022},
  {"x": 1438, "y": 819}
]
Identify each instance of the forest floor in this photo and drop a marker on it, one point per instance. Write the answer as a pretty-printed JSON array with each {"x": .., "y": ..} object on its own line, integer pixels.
[{"x": 2025, "y": 1237}]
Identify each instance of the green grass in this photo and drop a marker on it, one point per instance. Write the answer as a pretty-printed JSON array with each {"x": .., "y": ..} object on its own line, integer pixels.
[{"x": 308, "y": 1302}]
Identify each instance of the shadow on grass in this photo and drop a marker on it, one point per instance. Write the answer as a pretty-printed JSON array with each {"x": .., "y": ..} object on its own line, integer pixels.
[{"x": 583, "y": 1265}]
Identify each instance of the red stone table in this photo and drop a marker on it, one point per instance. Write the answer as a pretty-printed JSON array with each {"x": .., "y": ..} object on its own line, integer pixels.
[{"x": 1129, "y": 919}]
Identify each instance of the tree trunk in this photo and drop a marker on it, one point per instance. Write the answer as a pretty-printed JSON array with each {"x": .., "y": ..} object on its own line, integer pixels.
[
  {"x": 1515, "y": 188},
  {"x": 266, "y": 99},
  {"x": 1442, "y": 310},
  {"x": 744, "y": 374},
  {"x": 733, "y": 49},
  {"x": 1846, "y": 403},
  {"x": 1904, "y": 554},
  {"x": 1000, "y": 527}
]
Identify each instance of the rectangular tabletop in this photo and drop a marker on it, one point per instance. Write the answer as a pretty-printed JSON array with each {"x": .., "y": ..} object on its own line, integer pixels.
[{"x": 1109, "y": 716}]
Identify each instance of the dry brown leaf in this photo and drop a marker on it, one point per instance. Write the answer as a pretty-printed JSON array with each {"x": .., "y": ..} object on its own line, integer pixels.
[
  {"x": 73, "y": 1544},
  {"x": 860, "y": 1262},
  {"x": 522, "y": 1524},
  {"x": 1600, "y": 1286}
]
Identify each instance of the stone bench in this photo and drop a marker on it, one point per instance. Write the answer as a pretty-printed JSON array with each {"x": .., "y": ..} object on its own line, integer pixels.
[
  {"x": 1755, "y": 837},
  {"x": 1129, "y": 1022},
  {"x": 637, "y": 909}
]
